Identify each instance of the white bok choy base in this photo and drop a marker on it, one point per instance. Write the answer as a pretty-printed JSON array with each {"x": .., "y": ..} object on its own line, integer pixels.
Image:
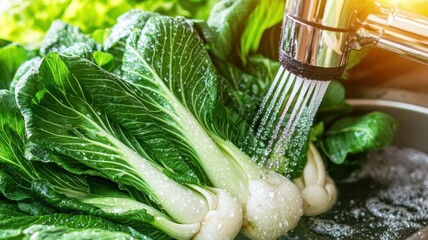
[
  {"x": 318, "y": 190},
  {"x": 273, "y": 205}
]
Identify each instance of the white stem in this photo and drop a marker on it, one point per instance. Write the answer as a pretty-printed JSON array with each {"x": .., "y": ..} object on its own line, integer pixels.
[{"x": 318, "y": 189}]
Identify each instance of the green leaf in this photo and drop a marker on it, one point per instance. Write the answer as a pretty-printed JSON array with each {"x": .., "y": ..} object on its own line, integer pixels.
[
  {"x": 126, "y": 24},
  {"x": 35, "y": 207},
  {"x": 264, "y": 70},
  {"x": 10, "y": 188},
  {"x": 52, "y": 232},
  {"x": 171, "y": 95},
  {"x": 22, "y": 70},
  {"x": 9, "y": 210},
  {"x": 317, "y": 132},
  {"x": 230, "y": 126},
  {"x": 271, "y": 37},
  {"x": 35, "y": 152},
  {"x": 12, "y": 137},
  {"x": 334, "y": 98},
  {"x": 237, "y": 89},
  {"x": 100, "y": 35},
  {"x": 61, "y": 36},
  {"x": 173, "y": 72},
  {"x": 129, "y": 22},
  {"x": 11, "y": 57},
  {"x": 228, "y": 19},
  {"x": 352, "y": 135},
  {"x": 54, "y": 185},
  {"x": 12, "y": 140},
  {"x": 70, "y": 222},
  {"x": 265, "y": 15},
  {"x": 245, "y": 27},
  {"x": 102, "y": 58},
  {"x": 86, "y": 133}
]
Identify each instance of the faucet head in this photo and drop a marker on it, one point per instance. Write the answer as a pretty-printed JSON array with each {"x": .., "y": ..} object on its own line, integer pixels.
[{"x": 315, "y": 36}]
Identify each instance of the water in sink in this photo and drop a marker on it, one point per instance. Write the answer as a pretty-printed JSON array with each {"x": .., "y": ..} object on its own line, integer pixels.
[{"x": 389, "y": 201}]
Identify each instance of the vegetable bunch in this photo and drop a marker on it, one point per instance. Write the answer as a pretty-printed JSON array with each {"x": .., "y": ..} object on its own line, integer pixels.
[{"x": 136, "y": 132}]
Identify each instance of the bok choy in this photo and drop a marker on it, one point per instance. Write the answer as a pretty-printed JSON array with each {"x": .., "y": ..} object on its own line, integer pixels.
[
  {"x": 75, "y": 192},
  {"x": 142, "y": 128},
  {"x": 59, "y": 115},
  {"x": 137, "y": 130}
]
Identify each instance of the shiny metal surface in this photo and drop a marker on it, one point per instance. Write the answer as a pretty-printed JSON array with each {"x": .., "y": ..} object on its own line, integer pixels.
[
  {"x": 318, "y": 35},
  {"x": 397, "y": 31},
  {"x": 313, "y": 46}
]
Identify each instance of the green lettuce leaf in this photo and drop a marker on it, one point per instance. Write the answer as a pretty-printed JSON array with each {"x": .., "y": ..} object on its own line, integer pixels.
[
  {"x": 61, "y": 223},
  {"x": 227, "y": 20},
  {"x": 61, "y": 36},
  {"x": 127, "y": 23},
  {"x": 22, "y": 70},
  {"x": 35, "y": 152},
  {"x": 10, "y": 188},
  {"x": 11, "y": 57},
  {"x": 52, "y": 232},
  {"x": 23, "y": 22},
  {"x": 352, "y": 135},
  {"x": 242, "y": 26}
]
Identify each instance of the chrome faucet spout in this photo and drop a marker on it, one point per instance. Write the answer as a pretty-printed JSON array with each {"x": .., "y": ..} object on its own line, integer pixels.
[{"x": 318, "y": 35}]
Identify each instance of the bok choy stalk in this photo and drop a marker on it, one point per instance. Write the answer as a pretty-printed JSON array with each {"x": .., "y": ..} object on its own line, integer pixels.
[
  {"x": 60, "y": 115},
  {"x": 318, "y": 190},
  {"x": 167, "y": 99},
  {"x": 68, "y": 191}
]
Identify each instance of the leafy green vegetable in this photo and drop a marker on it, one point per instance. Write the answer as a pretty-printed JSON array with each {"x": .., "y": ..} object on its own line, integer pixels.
[
  {"x": 11, "y": 57},
  {"x": 63, "y": 189},
  {"x": 34, "y": 152},
  {"x": 64, "y": 226},
  {"x": 136, "y": 124},
  {"x": 54, "y": 232},
  {"x": 86, "y": 133},
  {"x": 100, "y": 114},
  {"x": 102, "y": 58},
  {"x": 265, "y": 15},
  {"x": 22, "y": 70},
  {"x": 351, "y": 135},
  {"x": 10, "y": 188},
  {"x": 228, "y": 20},
  {"x": 126, "y": 24},
  {"x": 181, "y": 99},
  {"x": 242, "y": 27},
  {"x": 61, "y": 36},
  {"x": 26, "y": 21}
]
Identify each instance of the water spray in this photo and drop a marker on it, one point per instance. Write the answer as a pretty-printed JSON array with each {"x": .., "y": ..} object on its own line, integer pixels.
[{"x": 316, "y": 41}]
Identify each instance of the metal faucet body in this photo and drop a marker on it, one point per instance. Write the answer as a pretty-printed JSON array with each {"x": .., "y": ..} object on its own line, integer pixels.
[{"x": 318, "y": 35}]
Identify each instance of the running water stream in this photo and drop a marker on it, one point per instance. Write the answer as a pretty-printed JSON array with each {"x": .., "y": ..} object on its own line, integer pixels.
[{"x": 284, "y": 120}]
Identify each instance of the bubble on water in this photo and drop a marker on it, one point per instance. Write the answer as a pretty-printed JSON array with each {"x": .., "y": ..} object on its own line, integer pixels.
[
  {"x": 331, "y": 228},
  {"x": 390, "y": 201}
]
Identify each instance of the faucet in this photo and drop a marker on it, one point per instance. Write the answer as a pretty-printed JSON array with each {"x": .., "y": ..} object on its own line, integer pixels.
[{"x": 318, "y": 35}]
